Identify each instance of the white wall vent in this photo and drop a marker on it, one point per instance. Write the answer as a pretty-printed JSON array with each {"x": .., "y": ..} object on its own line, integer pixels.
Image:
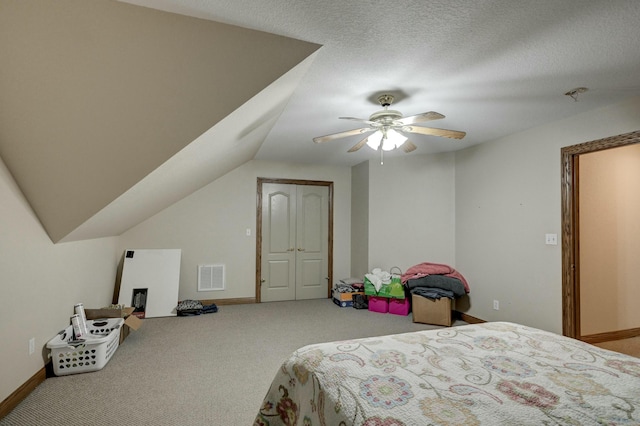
[{"x": 210, "y": 277}]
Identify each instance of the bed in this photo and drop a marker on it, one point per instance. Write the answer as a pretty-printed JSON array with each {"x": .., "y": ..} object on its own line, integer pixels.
[{"x": 496, "y": 373}]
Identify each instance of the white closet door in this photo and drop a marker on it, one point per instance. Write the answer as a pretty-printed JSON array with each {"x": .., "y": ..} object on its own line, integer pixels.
[{"x": 294, "y": 242}]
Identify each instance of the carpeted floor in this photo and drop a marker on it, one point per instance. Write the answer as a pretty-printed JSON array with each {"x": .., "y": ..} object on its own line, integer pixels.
[
  {"x": 212, "y": 369},
  {"x": 626, "y": 346}
]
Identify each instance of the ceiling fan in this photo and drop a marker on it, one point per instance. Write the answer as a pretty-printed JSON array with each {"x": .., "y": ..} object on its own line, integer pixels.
[{"x": 390, "y": 128}]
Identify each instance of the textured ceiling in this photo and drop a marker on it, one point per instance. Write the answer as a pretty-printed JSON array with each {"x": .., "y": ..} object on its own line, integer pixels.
[{"x": 492, "y": 67}]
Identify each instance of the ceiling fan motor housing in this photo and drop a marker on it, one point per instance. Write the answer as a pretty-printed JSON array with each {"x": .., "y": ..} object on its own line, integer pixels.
[
  {"x": 386, "y": 116},
  {"x": 385, "y": 100}
]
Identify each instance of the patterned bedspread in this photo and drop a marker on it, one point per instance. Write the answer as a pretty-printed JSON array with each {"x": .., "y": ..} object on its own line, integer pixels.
[{"x": 483, "y": 374}]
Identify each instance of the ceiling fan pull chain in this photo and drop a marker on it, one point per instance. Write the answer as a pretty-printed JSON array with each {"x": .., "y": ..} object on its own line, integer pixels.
[{"x": 381, "y": 155}]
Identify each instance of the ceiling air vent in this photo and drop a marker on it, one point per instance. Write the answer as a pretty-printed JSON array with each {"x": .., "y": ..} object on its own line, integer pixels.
[{"x": 210, "y": 277}]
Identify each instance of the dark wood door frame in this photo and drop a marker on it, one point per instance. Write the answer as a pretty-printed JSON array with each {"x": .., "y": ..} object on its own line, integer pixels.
[
  {"x": 571, "y": 226},
  {"x": 262, "y": 181}
]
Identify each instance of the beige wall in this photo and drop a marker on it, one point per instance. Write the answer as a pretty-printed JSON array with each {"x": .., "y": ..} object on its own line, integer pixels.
[
  {"x": 40, "y": 282},
  {"x": 360, "y": 219},
  {"x": 210, "y": 226},
  {"x": 411, "y": 211},
  {"x": 507, "y": 199},
  {"x": 609, "y": 192}
]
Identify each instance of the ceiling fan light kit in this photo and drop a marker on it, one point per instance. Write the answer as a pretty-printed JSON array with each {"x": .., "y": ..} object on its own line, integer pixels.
[
  {"x": 387, "y": 140},
  {"x": 389, "y": 127}
]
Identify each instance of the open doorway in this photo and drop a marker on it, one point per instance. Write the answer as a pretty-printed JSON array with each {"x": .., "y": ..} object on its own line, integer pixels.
[{"x": 570, "y": 231}]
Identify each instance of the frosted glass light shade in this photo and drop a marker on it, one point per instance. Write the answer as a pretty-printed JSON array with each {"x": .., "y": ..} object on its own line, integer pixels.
[
  {"x": 393, "y": 140},
  {"x": 374, "y": 140}
]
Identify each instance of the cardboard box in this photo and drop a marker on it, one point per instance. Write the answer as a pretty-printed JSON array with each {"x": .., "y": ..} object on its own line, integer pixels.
[
  {"x": 428, "y": 311},
  {"x": 131, "y": 322},
  {"x": 345, "y": 297}
]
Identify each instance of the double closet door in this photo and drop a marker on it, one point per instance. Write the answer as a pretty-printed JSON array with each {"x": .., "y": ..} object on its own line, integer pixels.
[{"x": 294, "y": 253}]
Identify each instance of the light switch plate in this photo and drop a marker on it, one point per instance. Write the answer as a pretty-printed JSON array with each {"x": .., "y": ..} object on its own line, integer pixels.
[{"x": 551, "y": 239}]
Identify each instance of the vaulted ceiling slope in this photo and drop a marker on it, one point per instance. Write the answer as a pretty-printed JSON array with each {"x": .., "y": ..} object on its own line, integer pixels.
[{"x": 99, "y": 98}]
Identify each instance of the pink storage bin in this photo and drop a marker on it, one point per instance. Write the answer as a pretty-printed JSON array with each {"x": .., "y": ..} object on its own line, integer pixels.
[
  {"x": 378, "y": 304},
  {"x": 399, "y": 306}
]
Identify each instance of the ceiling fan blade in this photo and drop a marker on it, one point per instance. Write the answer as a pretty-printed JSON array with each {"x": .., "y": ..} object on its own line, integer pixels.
[
  {"x": 361, "y": 120},
  {"x": 321, "y": 139},
  {"x": 408, "y": 146},
  {"x": 420, "y": 118},
  {"x": 453, "y": 134},
  {"x": 359, "y": 145}
]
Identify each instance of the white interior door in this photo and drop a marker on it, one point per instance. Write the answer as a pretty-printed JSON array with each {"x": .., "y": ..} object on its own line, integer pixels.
[
  {"x": 312, "y": 216},
  {"x": 294, "y": 242},
  {"x": 278, "y": 242}
]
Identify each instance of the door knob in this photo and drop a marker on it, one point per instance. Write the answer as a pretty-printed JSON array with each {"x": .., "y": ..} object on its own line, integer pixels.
[
  {"x": 300, "y": 249},
  {"x": 290, "y": 249},
  {"x": 262, "y": 280}
]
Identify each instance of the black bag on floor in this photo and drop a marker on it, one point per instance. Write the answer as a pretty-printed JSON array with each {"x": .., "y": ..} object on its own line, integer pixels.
[{"x": 360, "y": 301}]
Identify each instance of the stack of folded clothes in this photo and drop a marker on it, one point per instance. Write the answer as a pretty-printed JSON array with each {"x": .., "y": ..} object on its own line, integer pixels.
[
  {"x": 349, "y": 285},
  {"x": 434, "y": 280}
]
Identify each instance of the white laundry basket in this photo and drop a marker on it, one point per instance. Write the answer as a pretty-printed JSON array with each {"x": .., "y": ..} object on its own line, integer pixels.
[{"x": 91, "y": 354}]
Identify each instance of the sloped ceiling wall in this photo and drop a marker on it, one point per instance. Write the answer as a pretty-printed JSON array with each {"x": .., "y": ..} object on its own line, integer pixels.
[{"x": 95, "y": 96}]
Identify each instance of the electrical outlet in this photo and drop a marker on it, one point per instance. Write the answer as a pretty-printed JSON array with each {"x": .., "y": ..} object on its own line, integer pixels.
[
  {"x": 32, "y": 346},
  {"x": 496, "y": 305}
]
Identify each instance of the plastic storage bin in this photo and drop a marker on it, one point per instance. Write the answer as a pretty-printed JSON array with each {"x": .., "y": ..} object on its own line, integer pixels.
[
  {"x": 343, "y": 303},
  {"x": 399, "y": 306},
  {"x": 92, "y": 354},
  {"x": 378, "y": 304}
]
